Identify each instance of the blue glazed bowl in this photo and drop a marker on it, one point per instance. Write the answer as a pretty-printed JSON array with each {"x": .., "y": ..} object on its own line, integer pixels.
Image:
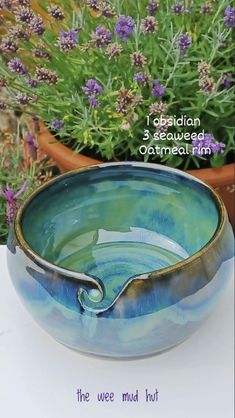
[{"x": 121, "y": 260}]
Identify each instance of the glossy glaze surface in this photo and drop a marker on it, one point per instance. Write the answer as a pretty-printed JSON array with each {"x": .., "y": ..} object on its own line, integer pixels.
[{"x": 107, "y": 259}]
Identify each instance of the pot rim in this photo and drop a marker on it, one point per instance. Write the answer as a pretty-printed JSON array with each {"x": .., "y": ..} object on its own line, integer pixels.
[
  {"x": 223, "y": 171},
  {"x": 163, "y": 272}
]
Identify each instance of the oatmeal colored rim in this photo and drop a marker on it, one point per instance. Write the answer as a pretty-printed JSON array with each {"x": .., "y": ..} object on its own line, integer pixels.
[{"x": 222, "y": 215}]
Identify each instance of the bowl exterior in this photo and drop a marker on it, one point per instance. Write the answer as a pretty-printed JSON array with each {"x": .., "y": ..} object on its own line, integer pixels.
[{"x": 150, "y": 315}]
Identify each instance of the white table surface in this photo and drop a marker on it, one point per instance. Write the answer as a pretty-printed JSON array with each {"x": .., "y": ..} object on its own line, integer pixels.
[{"x": 39, "y": 378}]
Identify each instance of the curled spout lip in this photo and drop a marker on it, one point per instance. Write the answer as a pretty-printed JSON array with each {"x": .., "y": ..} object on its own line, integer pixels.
[
  {"x": 105, "y": 302},
  {"x": 83, "y": 288},
  {"x": 86, "y": 285}
]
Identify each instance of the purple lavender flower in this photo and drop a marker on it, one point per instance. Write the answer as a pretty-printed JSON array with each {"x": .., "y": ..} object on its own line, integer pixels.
[
  {"x": 32, "y": 82},
  {"x": 226, "y": 81},
  {"x": 218, "y": 147},
  {"x": 12, "y": 200},
  {"x": 148, "y": 25},
  {"x": 8, "y": 45},
  {"x": 106, "y": 10},
  {"x": 204, "y": 68},
  {"x": 102, "y": 37},
  {"x": 163, "y": 126},
  {"x": 229, "y": 17},
  {"x": 17, "y": 67},
  {"x": 178, "y": 8},
  {"x": 124, "y": 27},
  {"x": 57, "y": 124},
  {"x": 8, "y": 4},
  {"x": 141, "y": 78},
  {"x": 125, "y": 101},
  {"x": 206, "y": 8},
  {"x": 158, "y": 89},
  {"x": 207, "y": 84},
  {"x": 184, "y": 43},
  {"x": 32, "y": 146},
  {"x": 22, "y": 99},
  {"x": 56, "y": 12},
  {"x": 114, "y": 50},
  {"x": 138, "y": 59},
  {"x": 68, "y": 40},
  {"x": 19, "y": 32},
  {"x": 158, "y": 108},
  {"x": 199, "y": 143},
  {"x": 93, "y": 4},
  {"x": 153, "y": 7},
  {"x": 94, "y": 103},
  {"x": 41, "y": 52},
  {"x": 73, "y": 34},
  {"x": 24, "y": 14},
  {"x": 207, "y": 145},
  {"x": 36, "y": 25},
  {"x": 92, "y": 88},
  {"x": 43, "y": 75},
  {"x": 3, "y": 105}
]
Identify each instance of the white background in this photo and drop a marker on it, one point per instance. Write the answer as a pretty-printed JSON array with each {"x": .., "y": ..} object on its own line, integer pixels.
[{"x": 39, "y": 378}]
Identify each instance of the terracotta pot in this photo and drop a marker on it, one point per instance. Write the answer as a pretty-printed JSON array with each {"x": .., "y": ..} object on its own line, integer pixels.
[
  {"x": 64, "y": 157},
  {"x": 222, "y": 179}
]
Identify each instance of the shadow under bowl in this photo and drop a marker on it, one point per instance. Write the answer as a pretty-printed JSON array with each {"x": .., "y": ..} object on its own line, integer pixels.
[{"x": 123, "y": 259}]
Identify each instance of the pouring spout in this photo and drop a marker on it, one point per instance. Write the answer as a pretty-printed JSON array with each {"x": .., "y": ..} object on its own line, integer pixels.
[{"x": 97, "y": 302}]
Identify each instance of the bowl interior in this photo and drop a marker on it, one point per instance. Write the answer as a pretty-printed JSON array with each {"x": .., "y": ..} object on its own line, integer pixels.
[{"x": 117, "y": 221}]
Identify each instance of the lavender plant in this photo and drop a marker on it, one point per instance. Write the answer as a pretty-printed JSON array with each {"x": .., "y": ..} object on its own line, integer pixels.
[
  {"x": 22, "y": 168},
  {"x": 93, "y": 70}
]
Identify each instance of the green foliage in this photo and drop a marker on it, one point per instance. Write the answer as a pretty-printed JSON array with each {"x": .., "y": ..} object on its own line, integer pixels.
[
  {"x": 104, "y": 131},
  {"x": 16, "y": 168}
]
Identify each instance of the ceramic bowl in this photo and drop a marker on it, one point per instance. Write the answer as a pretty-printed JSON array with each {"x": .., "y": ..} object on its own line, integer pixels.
[{"x": 121, "y": 260}]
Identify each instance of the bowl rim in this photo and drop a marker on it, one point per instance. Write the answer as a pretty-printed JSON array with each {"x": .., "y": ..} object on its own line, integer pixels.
[{"x": 163, "y": 272}]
